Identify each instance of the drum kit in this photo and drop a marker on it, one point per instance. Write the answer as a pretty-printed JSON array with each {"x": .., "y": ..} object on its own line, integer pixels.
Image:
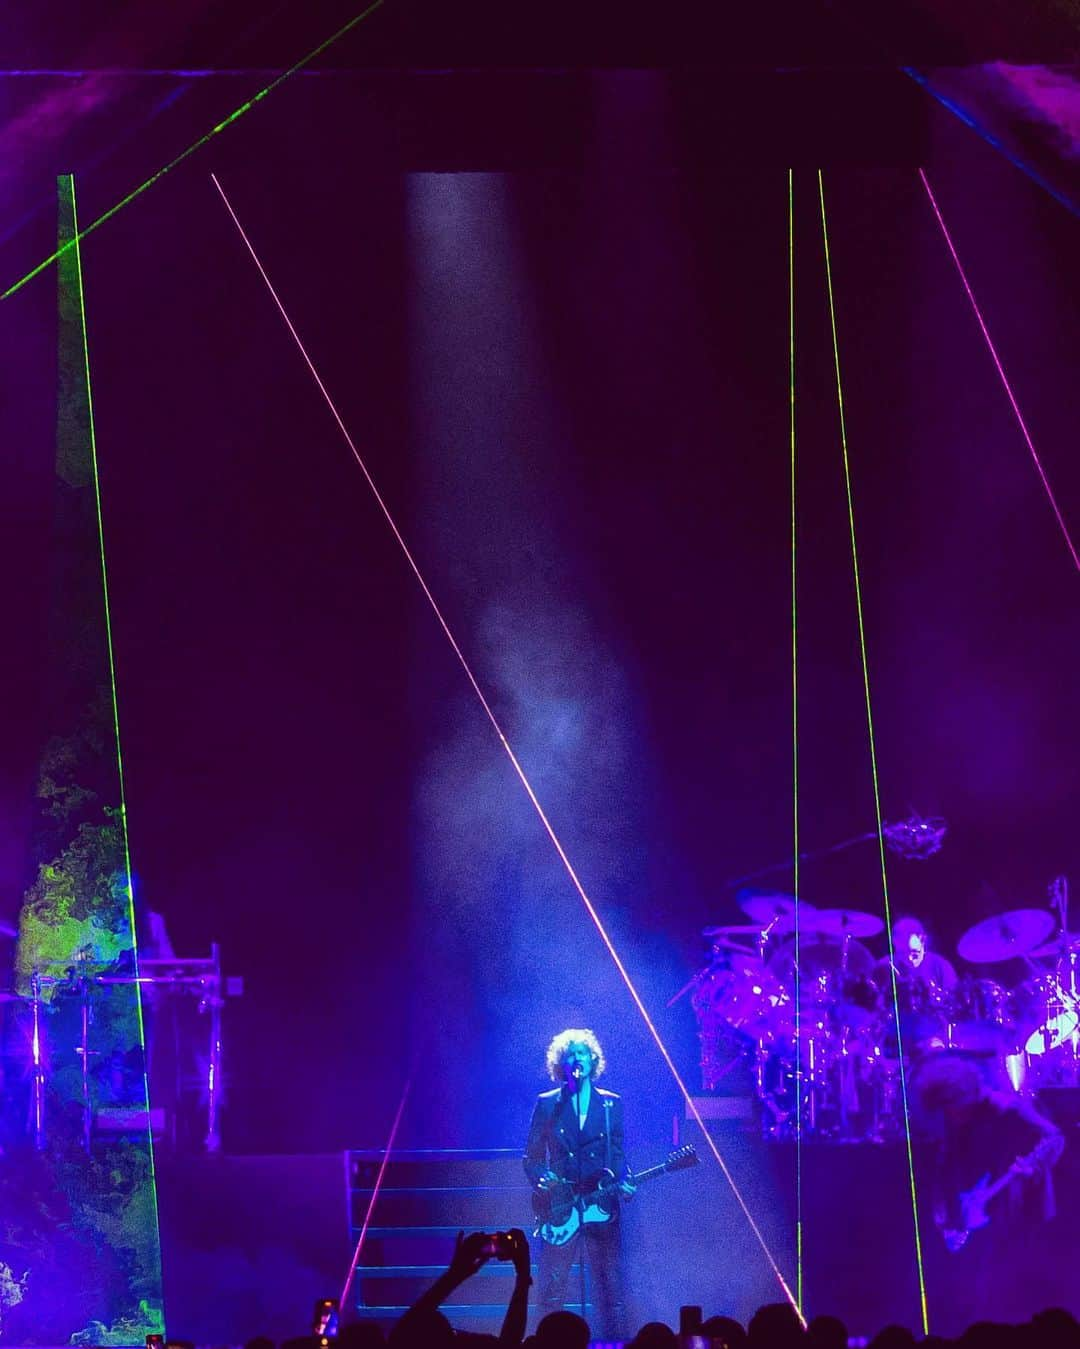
[{"x": 826, "y": 1028}]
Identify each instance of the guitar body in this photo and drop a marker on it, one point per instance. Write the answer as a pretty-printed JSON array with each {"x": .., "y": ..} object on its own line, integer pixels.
[
  {"x": 973, "y": 1213},
  {"x": 557, "y": 1232},
  {"x": 973, "y": 1204},
  {"x": 563, "y": 1208},
  {"x": 561, "y": 1212}
]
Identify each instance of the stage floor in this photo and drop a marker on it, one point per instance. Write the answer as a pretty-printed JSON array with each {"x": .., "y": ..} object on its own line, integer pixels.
[{"x": 249, "y": 1242}]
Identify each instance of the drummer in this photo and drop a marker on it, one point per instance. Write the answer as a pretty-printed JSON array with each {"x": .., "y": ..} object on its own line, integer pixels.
[{"x": 914, "y": 958}]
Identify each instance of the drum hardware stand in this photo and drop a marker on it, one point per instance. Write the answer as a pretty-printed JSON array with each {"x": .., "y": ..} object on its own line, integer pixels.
[
  {"x": 84, "y": 1051},
  {"x": 73, "y": 982},
  {"x": 37, "y": 1085},
  {"x": 1059, "y": 895},
  {"x": 1059, "y": 899},
  {"x": 1068, "y": 996},
  {"x": 812, "y": 1094},
  {"x": 760, "y": 1058},
  {"x": 690, "y": 984},
  {"x": 213, "y": 1071},
  {"x": 761, "y": 1055}
]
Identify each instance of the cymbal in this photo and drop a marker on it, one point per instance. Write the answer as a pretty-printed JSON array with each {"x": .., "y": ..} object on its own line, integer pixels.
[
  {"x": 1005, "y": 935},
  {"x": 1064, "y": 941},
  {"x": 820, "y": 957},
  {"x": 732, "y": 930},
  {"x": 6, "y": 930},
  {"x": 847, "y": 923},
  {"x": 777, "y": 911}
]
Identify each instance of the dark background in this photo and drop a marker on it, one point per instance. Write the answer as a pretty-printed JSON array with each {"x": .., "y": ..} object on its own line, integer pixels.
[{"x": 566, "y": 365}]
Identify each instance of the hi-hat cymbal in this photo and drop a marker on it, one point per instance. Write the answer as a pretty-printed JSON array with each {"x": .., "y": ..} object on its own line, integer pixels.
[
  {"x": 777, "y": 911},
  {"x": 847, "y": 923},
  {"x": 1005, "y": 935},
  {"x": 731, "y": 930},
  {"x": 726, "y": 944}
]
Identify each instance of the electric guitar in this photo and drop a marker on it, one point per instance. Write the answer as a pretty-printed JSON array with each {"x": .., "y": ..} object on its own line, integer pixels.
[
  {"x": 562, "y": 1208},
  {"x": 973, "y": 1202}
]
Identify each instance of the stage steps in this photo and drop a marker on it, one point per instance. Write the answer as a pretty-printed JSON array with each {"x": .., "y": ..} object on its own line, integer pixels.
[{"x": 426, "y": 1198}]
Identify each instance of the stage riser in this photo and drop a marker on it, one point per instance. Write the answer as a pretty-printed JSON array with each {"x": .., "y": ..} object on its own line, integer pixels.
[
  {"x": 484, "y": 1166},
  {"x": 492, "y": 1208},
  {"x": 488, "y": 1286},
  {"x": 414, "y": 1246},
  {"x": 425, "y": 1199},
  {"x": 481, "y": 1319}
]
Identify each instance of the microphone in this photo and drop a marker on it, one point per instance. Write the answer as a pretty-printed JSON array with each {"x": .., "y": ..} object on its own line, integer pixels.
[{"x": 915, "y": 838}]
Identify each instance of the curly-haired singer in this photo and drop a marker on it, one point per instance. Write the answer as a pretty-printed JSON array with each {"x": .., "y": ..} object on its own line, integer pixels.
[{"x": 575, "y": 1161}]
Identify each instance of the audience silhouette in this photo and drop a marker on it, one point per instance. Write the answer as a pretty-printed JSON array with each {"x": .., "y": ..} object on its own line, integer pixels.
[{"x": 774, "y": 1326}]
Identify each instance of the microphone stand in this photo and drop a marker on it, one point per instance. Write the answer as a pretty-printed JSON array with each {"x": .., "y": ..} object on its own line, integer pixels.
[
  {"x": 581, "y": 1200},
  {"x": 788, "y": 862},
  {"x": 913, "y": 838}
]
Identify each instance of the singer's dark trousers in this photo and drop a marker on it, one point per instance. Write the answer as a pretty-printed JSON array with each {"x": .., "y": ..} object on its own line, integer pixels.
[{"x": 560, "y": 1285}]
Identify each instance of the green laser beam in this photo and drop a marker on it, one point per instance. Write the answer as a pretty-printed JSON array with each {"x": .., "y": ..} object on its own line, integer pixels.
[
  {"x": 191, "y": 149},
  {"x": 112, "y": 679},
  {"x": 795, "y": 755},
  {"x": 873, "y": 758}
]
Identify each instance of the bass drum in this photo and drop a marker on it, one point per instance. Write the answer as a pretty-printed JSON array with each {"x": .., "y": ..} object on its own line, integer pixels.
[{"x": 1048, "y": 1031}]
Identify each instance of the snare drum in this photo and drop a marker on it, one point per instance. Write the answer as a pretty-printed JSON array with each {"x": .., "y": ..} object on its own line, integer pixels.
[{"x": 922, "y": 1005}]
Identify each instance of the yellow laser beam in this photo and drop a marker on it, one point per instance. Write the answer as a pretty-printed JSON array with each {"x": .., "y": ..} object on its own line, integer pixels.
[
  {"x": 146, "y": 185},
  {"x": 873, "y": 759}
]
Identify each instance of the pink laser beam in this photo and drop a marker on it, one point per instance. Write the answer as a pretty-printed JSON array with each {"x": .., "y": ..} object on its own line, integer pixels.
[
  {"x": 371, "y": 1202},
  {"x": 548, "y": 828},
  {"x": 1001, "y": 372}
]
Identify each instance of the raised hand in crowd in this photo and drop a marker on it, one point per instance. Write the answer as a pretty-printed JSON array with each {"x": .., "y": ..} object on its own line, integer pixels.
[{"x": 517, "y": 1311}]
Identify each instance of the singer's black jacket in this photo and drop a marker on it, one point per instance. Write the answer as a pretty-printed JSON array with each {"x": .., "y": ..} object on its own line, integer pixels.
[{"x": 556, "y": 1142}]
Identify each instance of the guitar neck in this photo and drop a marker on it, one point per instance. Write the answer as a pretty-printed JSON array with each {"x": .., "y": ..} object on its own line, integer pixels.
[
  {"x": 650, "y": 1172},
  {"x": 1018, "y": 1168},
  {"x": 999, "y": 1184}
]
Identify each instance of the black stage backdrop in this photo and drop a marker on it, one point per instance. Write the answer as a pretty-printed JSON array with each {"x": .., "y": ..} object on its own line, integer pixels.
[{"x": 567, "y": 369}]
